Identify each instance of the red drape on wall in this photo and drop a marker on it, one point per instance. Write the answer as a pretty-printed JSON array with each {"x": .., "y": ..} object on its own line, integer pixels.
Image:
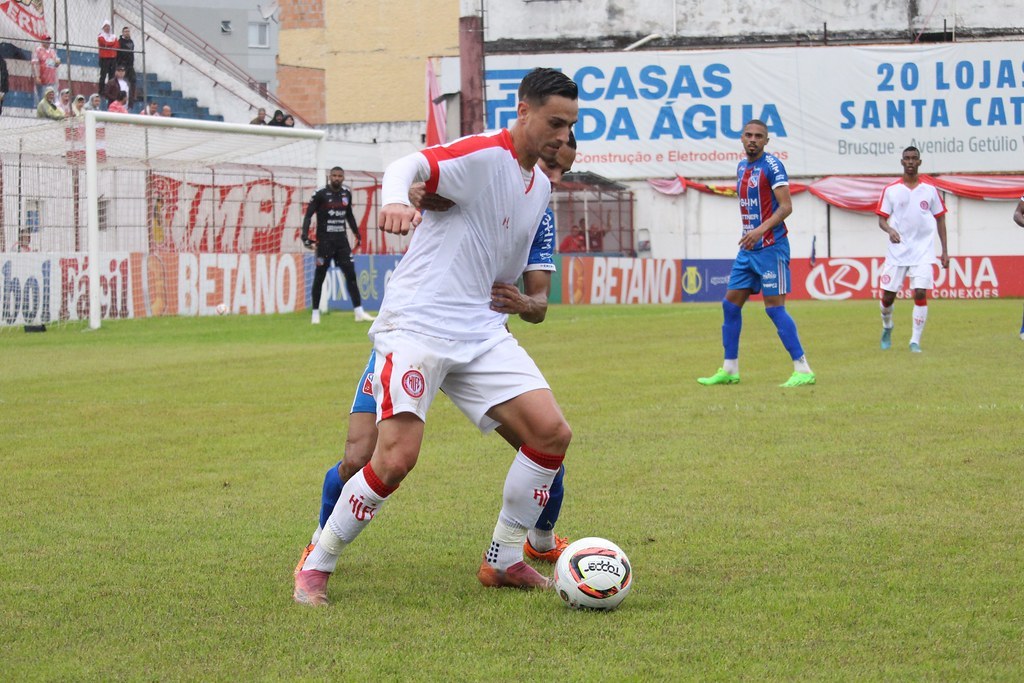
[{"x": 861, "y": 193}]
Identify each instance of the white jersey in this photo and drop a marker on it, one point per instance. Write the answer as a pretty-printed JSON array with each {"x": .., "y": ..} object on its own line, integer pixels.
[
  {"x": 442, "y": 286},
  {"x": 912, "y": 213}
]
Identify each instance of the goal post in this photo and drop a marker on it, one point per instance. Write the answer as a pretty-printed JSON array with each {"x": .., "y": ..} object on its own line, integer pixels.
[
  {"x": 238, "y": 153},
  {"x": 111, "y": 216}
]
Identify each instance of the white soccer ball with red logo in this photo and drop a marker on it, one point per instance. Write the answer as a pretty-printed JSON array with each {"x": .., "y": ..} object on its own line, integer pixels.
[
  {"x": 593, "y": 573},
  {"x": 222, "y": 309}
]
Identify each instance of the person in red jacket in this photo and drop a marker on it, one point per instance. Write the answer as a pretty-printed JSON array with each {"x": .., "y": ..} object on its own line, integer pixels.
[{"x": 108, "y": 53}]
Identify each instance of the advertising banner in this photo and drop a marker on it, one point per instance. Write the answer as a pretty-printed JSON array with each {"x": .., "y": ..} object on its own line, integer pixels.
[
  {"x": 968, "y": 277},
  {"x": 29, "y": 293},
  {"x": 614, "y": 280},
  {"x": 829, "y": 110},
  {"x": 372, "y": 274},
  {"x": 705, "y": 279}
]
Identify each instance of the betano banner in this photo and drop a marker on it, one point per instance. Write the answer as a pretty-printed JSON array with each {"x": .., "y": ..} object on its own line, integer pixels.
[{"x": 829, "y": 110}]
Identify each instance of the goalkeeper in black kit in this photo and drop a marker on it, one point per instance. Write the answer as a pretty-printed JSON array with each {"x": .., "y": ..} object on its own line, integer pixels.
[{"x": 333, "y": 208}]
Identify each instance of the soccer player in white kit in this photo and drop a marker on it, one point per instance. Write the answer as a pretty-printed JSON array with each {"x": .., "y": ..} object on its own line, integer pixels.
[
  {"x": 438, "y": 329},
  {"x": 910, "y": 211}
]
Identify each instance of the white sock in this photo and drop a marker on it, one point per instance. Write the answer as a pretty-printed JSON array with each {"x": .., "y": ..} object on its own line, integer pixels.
[
  {"x": 523, "y": 500},
  {"x": 801, "y": 365},
  {"x": 358, "y": 310},
  {"x": 324, "y": 557},
  {"x": 731, "y": 365},
  {"x": 506, "y": 544},
  {"x": 316, "y": 534},
  {"x": 541, "y": 539},
  {"x": 886, "y": 315},
  {"x": 920, "y": 317},
  {"x": 357, "y": 506}
]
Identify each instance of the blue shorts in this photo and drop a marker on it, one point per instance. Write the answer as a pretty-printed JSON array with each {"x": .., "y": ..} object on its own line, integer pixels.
[
  {"x": 764, "y": 269},
  {"x": 363, "y": 401}
]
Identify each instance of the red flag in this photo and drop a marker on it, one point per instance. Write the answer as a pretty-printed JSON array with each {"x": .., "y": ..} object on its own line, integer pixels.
[{"x": 437, "y": 110}]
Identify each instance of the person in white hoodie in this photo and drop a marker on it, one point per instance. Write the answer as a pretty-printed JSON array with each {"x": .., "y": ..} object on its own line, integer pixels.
[{"x": 108, "y": 53}]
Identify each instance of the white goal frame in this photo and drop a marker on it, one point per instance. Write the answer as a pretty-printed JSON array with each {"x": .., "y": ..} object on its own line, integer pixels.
[{"x": 92, "y": 118}]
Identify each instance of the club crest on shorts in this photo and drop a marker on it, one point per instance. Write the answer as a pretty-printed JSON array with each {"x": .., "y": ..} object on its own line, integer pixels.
[
  {"x": 368, "y": 385},
  {"x": 413, "y": 383}
]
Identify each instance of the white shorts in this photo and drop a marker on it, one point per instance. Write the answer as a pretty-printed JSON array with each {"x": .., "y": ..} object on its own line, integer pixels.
[
  {"x": 891, "y": 279},
  {"x": 476, "y": 375}
]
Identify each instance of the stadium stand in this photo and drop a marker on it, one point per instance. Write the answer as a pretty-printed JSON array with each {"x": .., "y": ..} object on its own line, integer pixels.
[{"x": 20, "y": 101}]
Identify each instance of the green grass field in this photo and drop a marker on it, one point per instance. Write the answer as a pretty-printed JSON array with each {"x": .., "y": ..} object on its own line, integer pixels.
[{"x": 159, "y": 478}]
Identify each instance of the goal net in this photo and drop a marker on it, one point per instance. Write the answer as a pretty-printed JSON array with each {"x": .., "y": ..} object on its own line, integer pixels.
[{"x": 117, "y": 216}]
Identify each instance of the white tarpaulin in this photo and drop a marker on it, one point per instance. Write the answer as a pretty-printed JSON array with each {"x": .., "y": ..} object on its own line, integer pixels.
[{"x": 829, "y": 110}]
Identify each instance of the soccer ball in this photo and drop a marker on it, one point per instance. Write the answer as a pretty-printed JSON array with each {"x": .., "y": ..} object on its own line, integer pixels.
[
  {"x": 222, "y": 309},
  {"x": 593, "y": 573}
]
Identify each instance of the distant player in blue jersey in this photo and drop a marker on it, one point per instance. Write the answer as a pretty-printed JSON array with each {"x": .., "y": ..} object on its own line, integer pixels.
[
  {"x": 531, "y": 306},
  {"x": 1018, "y": 218},
  {"x": 762, "y": 264}
]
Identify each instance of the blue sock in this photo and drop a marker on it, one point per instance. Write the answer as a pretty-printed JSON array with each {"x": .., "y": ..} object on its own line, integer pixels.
[
  {"x": 332, "y": 492},
  {"x": 1022, "y": 326},
  {"x": 549, "y": 515},
  {"x": 786, "y": 328},
  {"x": 731, "y": 328}
]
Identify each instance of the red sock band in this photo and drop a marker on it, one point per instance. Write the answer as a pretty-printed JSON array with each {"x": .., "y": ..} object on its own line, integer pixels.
[
  {"x": 548, "y": 461},
  {"x": 375, "y": 484},
  {"x": 921, "y": 302}
]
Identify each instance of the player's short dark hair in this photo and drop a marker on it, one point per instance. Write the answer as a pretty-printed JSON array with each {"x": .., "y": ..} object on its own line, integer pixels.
[
  {"x": 911, "y": 148},
  {"x": 337, "y": 168},
  {"x": 541, "y": 83},
  {"x": 756, "y": 122}
]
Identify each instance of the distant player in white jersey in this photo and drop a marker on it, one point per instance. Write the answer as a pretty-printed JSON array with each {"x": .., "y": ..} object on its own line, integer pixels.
[
  {"x": 1018, "y": 218},
  {"x": 439, "y": 329},
  {"x": 910, "y": 212}
]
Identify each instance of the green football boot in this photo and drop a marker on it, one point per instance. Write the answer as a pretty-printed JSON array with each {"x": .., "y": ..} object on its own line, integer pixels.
[{"x": 720, "y": 377}]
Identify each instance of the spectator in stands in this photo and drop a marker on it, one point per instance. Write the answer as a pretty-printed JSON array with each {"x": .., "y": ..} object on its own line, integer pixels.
[
  {"x": 118, "y": 84},
  {"x": 150, "y": 110},
  {"x": 94, "y": 103},
  {"x": 261, "y": 118},
  {"x": 289, "y": 121},
  {"x": 126, "y": 55},
  {"x": 78, "y": 106},
  {"x": 573, "y": 242},
  {"x": 595, "y": 236},
  {"x": 64, "y": 101},
  {"x": 44, "y": 67},
  {"x": 166, "y": 111},
  {"x": 278, "y": 119},
  {"x": 120, "y": 105},
  {"x": 47, "y": 107},
  {"x": 4, "y": 82},
  {"x": 108, "y": 53}
]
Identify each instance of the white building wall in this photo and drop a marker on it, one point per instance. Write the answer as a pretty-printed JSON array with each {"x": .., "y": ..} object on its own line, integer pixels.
[{"x": 735, "y": 20}]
